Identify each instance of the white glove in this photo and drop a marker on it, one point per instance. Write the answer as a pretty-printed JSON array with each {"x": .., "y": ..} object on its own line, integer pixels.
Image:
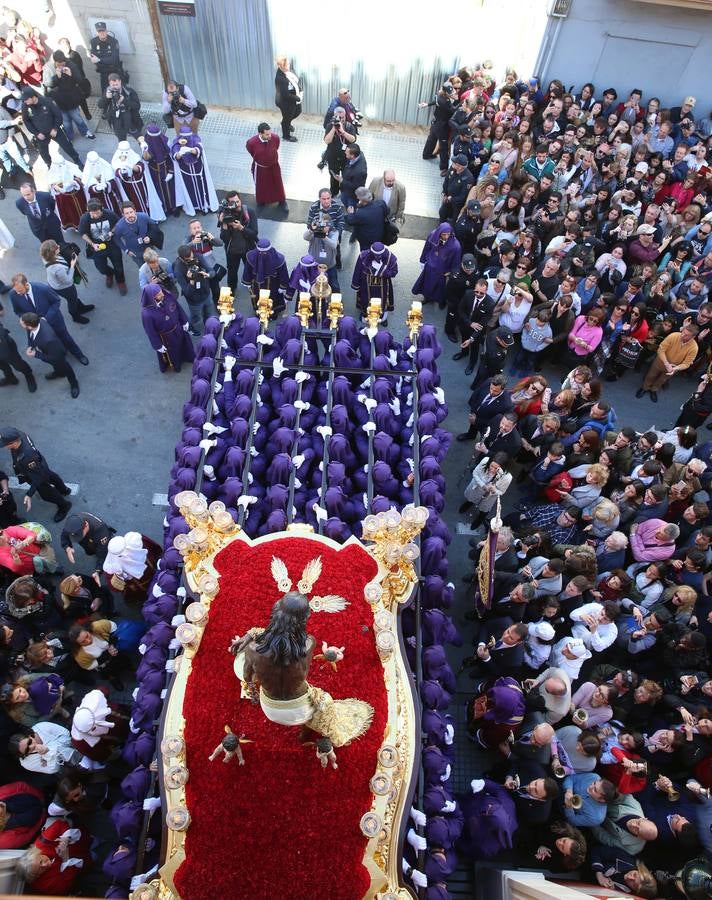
[
  {"x": 411, "y": 351},
  {"x": 418, "y": 817},
  {"x": 254, "y": 451},
  {"x": 209, "y": 473},
  {"x": 392, "y": 357},
  {"x": 420, "y": 879},
  {"x": 369, "y": 427},
  {"x": 265, "y": 339},
  {"x": 256, "y": 427},
  {"x": 250, "y": 478},
  {"x": 209, "y": 428},
  {"x": 134, "y": 693},
  {"x": 216, "y": 408},
  {"x": 72, "y": 861},
  {"x": 395, "y": 406},
  {"x": 157, "y": 590},
  {"x": 245, "y": 500},
  {"x": 297, "y": 483},
  {"x": 151, "y": 803},
  {"x": 174, "y": 644},
  {"x": 71, "y": 835},
  {"x": 298, "y": 460},
  {"x": 365, "y": 501},
  {"x": 321, "y": 514},
  {"x": 170, "y": 665},
  {"x": 278, "y": 366},
  {"x": 365, "y": 384},
  {"x": 223, "y": 343},
  {"x": 325, "y": 431},
  {"x": 416, "y": 841},
  {"x": 365, "y": 468},
  {"x": 439, "y": 395},
  {"x": 207, "y": 443},
  {"x": 142, "y": 649},
  {"x": 447, "y": 773},
  {"x": 181, "y": 592},
  {"x": 449, "y": 734},
  {"x": 411, "y": 464},
  {"x": 301, "y": 377},
  {"x": 302, "y": 405},
  {"x": 409, "y": 399},
  {"x": 177, "y": 620},
  {"x": 225, "y": 318},
  {"x": 409, "y": 423},
  {"x": 477, "y": 785},
  {"x": 370, "y": 403},
  {"x": 218, "y": 388},
  {"x": 162, "y": 349},
  {"x": 450, "y": 805}
]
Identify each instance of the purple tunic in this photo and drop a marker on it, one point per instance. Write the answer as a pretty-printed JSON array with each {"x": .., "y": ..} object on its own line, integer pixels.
[
  {"x": 266, "y": 269},
  {"x": 372, "y": 279},
  {"x": 440, "y": 258},
  {"x": 194, "y": 170},
  {"x": 163, "y": 322},
  {"x": 160, "y": 166}
]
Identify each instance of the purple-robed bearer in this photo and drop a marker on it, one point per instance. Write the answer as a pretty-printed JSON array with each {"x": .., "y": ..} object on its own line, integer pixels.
[
  {"x": 440, "y": 257},
  {"x": 163, "y": 170},
  {"x": 187, "y": 150},
  {"x": 303, "y": 276},
  {"x": 166, "y": 325},
  {"x": 265, "y": 269},
  {"x": 373, "y": 277}
]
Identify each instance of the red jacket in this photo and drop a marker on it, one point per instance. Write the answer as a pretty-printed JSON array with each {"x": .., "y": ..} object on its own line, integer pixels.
[
  {"x": 16, "y": 838},
  {"x": 24, "y": 567},
  {"x": 53, "y": 880}
]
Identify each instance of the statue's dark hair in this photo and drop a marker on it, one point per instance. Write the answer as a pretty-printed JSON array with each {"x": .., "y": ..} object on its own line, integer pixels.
[
  {"x": 230, "y": 742},
  {"x": 285, "y": 638}
]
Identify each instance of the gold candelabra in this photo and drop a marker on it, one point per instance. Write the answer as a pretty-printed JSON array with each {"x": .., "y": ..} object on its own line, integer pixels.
[
  {"x": 226, "y": 302},
  {"x": 335, "y": 310},
  {"x": 414, "y": 319},
  {"x": 304, "y": 308},
  {"x": 374, "y": 311},
  {"x": 320, "y": 292},
  {"x": 264, "y": 306},
  {"x": 392, "y": 534},
  {"x": 211, "y": 528}
]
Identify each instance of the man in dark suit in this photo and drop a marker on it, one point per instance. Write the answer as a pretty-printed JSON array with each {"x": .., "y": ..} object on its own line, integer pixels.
[
  {"x": 504, "y": 655},
  {"x": 34, "y": 297},
  {"x": 10, "y": 358},
  {"x": 487, "y": 401},
  {"x": 39, "y": 207},
  {"x": 45, "y": 345},
  {"x": 501, "y": 437},
  {"x": 368, "y": 219},
  {"x": 534, "y": 797},
  {"x": 353, "y": 175},
  {"x": 473, "y": 313}
]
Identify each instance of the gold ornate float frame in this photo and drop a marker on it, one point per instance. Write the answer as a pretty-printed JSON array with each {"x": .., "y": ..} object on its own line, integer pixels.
[{"x": 390, "y": 537}]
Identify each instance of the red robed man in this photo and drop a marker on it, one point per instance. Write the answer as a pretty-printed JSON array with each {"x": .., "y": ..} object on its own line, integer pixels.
[{"x": 263, "y": 147}]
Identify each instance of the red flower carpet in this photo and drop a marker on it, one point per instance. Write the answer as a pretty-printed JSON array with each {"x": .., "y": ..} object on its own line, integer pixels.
[{"x": 279, "y": 826}]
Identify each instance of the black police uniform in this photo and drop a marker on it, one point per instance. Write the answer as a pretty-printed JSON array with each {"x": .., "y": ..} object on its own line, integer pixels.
[
  {"x": 456, "y": 185},
  {"x": 31, "y": 467},
  {"x": 95, "y": 542},
  {"x": 107, "y": 53},
  {"x": 10, "y": 358},
  {"x": 467, "y": 230}
]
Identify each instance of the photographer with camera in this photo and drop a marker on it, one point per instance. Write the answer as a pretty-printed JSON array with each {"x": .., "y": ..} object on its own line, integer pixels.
[
  {"x": 326, "y": 205},
  {"x": 323, "y": 244},
  {"x": 193, "y": 277},
  {"x": 65, "y": 86},
  {"x": 121, "y": 106},
  {"x": 238, "y": 231},
  {"x": 96, "y": 228},
  {"x": 203, "y": 242},
  {"x": 179, "y": 106},
  {"x": 351, "y": 115},
  {"x": 339, "y": 134},
  {"x": 157, "y": 270}
]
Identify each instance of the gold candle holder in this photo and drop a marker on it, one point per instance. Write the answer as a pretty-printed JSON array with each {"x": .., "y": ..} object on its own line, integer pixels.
[
  {"x": 226, "y": 302},
  {"x": 335, "y": 310},
  {"x": 264, "y": 307},
  {"x": 304, "y": 308},
  {"x": 373, "y": 313},
  {"x": 414, "y": 318}
]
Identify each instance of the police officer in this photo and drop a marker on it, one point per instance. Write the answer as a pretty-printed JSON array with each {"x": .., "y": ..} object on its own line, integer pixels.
[
  {"x": 104, "y": 53},
  {"x": 468, "y": 226},
  {"x": 456, "y": 187},
  {"x": 10, "y": 358},
  {"x": 457, "y": 284},
  {"x": 31, "y": 467},
  {"x": 92, "y": 535}
]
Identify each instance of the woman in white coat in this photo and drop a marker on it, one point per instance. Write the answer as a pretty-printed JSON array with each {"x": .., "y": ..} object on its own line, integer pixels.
[{"x": 490, "y": 480}]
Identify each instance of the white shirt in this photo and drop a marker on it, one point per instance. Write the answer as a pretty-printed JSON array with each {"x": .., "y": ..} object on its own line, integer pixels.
[
  {"x": 598, "y": 640},
  {"x": 59, "y": 742},
  {"x": 572, "y": 667},
  {"x": 387, "y": 191}
]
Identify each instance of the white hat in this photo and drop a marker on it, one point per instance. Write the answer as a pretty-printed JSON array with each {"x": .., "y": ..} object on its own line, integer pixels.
[
  {"x": 577, "y": 648},
  {"x": 642, "y": 167},
  {"x": 543, "y": 630},
  {"x": 90, "y": 720}
]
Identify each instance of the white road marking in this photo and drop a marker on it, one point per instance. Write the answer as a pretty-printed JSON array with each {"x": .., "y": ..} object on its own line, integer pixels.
[
  {"x": 16, "y": 486},
  {"x": 160, "y": 500}
]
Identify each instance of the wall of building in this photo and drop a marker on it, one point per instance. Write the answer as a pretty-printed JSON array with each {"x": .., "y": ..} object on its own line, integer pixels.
[
  {"x": 663, "y": 49},
  {"x": 128, "y": 20}
]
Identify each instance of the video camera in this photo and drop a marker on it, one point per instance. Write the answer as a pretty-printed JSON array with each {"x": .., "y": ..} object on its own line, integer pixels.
[{"x": 321, "y": 224}]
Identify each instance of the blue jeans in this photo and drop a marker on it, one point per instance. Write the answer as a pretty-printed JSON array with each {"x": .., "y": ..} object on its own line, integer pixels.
[
  {"x": 72, "y": 117},
  {"x": 10, "y": 155}
]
